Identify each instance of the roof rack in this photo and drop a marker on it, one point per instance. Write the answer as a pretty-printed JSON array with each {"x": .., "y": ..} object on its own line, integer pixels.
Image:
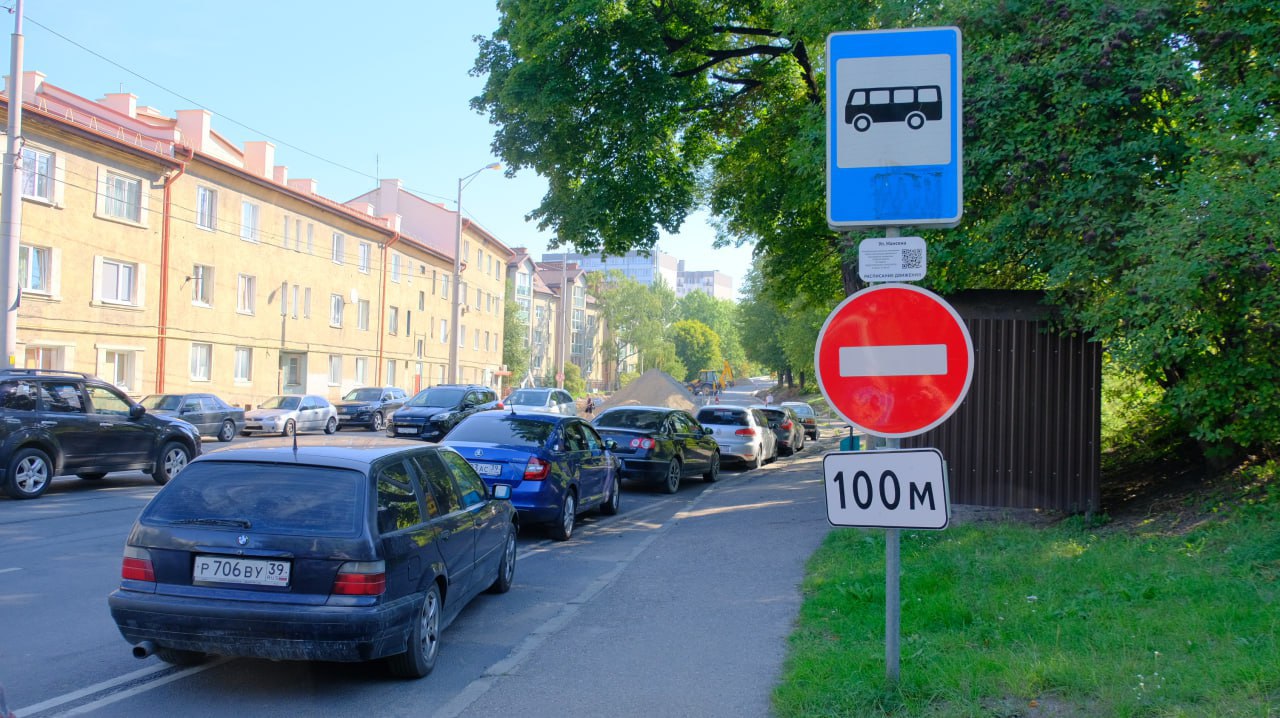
[{"x": 47, "y": 372}]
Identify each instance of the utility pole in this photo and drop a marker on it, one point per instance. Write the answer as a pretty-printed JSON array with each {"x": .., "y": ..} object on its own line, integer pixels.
[
  {"x": 564, "y": 322},
  {"x": 11, "y": 205}
]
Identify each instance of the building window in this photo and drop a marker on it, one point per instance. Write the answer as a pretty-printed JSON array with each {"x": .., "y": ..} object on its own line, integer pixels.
[
  {"x": 246, "y": 293},
  {"x": 206, "y": 208},
  {"x": 362, "y": 315},
  {"x": 395, "y": 267},
  {"x": 486, "y": 341},
  {"x": 295, "y": 301},
  {"x": 306, "y": 303},
  {"x": 421, "y": 345},
  {"x": 311, "y": 231},
  {"x": 287, "y": 222},
  {"x": 202, "y": 285},
  {"x": 122, "y": 197},
  {"x": 44, "y": 358},
  {"x": 422, "y": 301},
  {"x": 338, "y": 248},
  {"x": 462, "y": 336},
  {"x": 476, "y": 343},
  {"x": 362, "y": 370},
  {"x": 244, "y": 364},
  {"x": 248, "y": 222},
  {"x": 335, "y": 369},
  {"x": 444, "y": 331},
  {"x": 366, "y": 252},
  {"x": 119, "y": 282},
  {"x": 33, "y": 269},
  {"x": 118, "y": 368},
  {"x": 444, "y": 285},
  {"x": 335, "y": 310},
  {"x": 391, "y": 372},
  {"x": 393, "y": 319},
  {"x": 201, "y": 361},
  {"x": 297, "y": 235},
  {"x": 37, "y": 174}
]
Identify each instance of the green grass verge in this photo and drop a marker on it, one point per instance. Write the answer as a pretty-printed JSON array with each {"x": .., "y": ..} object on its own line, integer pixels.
[{"x": 1067, "y": 620}]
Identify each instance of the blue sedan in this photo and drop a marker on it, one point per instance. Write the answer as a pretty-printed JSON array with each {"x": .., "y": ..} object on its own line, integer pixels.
[{"x": 557, "y": 466}]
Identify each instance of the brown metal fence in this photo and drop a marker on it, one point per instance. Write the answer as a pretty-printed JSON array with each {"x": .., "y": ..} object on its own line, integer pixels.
[{"x": 1028, "y": 433}]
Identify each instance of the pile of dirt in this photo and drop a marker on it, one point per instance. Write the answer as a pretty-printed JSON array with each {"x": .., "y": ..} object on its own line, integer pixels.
[{"x": 652, "y": 388}]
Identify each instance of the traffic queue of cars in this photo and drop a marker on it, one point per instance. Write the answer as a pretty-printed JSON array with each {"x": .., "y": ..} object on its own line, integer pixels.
[{"x": 346, "y": 549}]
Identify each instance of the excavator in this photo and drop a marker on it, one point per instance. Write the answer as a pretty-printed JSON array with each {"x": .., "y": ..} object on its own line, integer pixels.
[{"x": 711, "y": 381}]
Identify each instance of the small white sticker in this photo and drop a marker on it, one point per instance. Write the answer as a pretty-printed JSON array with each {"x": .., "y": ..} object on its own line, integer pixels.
[{"x": 892, "y": 259}]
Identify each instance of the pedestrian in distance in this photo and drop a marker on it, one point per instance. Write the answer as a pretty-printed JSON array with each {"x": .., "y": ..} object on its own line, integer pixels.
[{"x": 591, "y": 406}]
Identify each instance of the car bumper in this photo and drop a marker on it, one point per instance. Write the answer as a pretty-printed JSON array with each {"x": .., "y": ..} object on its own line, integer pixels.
[
  {"x": 737, "y": 451},
  {"x": 409, "y": 431},
  {"x": 262, "y": 630},
  {"x": 535, "y": 501},
  {"x": 643, "y": 469}
]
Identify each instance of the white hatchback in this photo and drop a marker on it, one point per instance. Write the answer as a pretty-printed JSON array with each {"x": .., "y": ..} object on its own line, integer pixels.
[{"x": 743, "y": 433}]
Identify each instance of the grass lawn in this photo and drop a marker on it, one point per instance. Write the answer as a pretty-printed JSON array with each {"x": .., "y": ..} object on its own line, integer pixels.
[{"x": 1006, "y": 620}]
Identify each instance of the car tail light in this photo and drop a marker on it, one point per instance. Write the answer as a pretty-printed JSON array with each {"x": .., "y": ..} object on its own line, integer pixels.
[
  {"x": 137, "y": 565},
  {"x": 536, "y": 469},
  {"x": 361, "y": 578},
  {"x": 745, "y": 432},
  {"x": 645, "y": 443},
  {"x": 786, "y": 425}
]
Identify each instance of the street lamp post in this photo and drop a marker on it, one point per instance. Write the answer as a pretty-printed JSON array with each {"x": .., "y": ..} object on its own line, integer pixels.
[{"x": 457, "y": 275}]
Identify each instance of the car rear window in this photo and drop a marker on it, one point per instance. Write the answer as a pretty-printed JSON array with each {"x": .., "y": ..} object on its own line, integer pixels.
[
  {"x": 732, "y": 417},
  {"x": 504, "y": 429},
  {"x": 534, "y": 398},
  {"x": 273, "y": 498},
  {"x": 642, "y": 419},
  {"x": 803, "y": 410}
]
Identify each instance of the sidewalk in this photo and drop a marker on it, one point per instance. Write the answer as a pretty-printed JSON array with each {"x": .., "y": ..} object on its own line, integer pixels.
[{"x": 694, "y": 624}]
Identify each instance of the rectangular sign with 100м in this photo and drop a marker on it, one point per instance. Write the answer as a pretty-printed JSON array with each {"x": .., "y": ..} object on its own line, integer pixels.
[{"x": 887, "y": 488}]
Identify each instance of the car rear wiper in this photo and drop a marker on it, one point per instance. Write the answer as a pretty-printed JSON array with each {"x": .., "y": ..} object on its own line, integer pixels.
[{"x": 239, "y": 523}]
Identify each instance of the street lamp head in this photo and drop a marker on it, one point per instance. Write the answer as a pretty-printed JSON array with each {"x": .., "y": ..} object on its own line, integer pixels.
[{"x": 494, "y": 166}]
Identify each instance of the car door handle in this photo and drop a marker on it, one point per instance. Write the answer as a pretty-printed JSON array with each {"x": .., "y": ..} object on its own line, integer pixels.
[
  {"x": 105, "y": 424},
  {"x": 48, "y": 423},
  {"x": 446, "y": 534}
]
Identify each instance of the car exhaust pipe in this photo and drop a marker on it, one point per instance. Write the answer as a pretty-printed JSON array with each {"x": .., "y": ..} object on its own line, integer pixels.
[{"x": 144, "y": 649}]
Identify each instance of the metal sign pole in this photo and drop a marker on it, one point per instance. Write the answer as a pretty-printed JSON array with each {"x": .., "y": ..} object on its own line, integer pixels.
[{"x": 892, "y": 602}]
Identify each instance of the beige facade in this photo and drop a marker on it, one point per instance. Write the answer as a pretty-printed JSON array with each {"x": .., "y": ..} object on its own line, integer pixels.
[{"x": 162, "y": 257}]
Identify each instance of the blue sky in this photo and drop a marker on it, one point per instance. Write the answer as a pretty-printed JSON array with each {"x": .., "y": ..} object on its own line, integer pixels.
[{"x": 348, "y": 92}]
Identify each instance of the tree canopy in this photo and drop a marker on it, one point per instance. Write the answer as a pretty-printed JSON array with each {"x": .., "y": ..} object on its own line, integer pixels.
[{"x": 1119, "y": 156}]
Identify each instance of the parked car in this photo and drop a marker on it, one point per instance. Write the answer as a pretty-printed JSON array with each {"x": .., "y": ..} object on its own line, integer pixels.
[
  {"x": 807, "y": 417},
  {"x": 323, "y": 552},
  {"x": 210, "y": 415},
  {"x": 556, "y": 401},
  {"x": 659, "y": 445},
  {"x": 431, "y": 413},
  {"x": 742, "y": 433},
  {"x": 786, "y": 426},
  {"x": 60, "y": 422},
  {"x": 290, "y": 413},
  {"x": 557, "y": 466},
  {"x": 369, "y": 406}
]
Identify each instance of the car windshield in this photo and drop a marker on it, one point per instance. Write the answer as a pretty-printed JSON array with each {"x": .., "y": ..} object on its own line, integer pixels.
[
  {"x": 527, "y": 397},
  {"x": 313, "y": 500},
  {"x": 437, "y": 396},
  {"x": 163, "y": 402},
  {"x": 643, "y": 419},
  {"x": 775, "y": 416},
  {"x": 281, "y": 402},
  {"x": 366, "y": 394},
  {"x": 502, "y": 429},
  {"x": 722, "y": 416}
]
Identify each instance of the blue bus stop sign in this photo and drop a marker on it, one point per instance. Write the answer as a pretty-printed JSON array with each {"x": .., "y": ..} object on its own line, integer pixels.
[{"x": 893, "y": 128}]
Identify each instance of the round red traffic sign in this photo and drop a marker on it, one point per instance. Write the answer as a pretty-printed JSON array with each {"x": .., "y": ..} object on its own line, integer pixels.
[{"x": 894, "y": 360}]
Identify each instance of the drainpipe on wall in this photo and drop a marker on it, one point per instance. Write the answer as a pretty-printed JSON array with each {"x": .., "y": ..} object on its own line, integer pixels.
[
  {"x": 382, "y": 305},
  {"x": 162, "y": 329}
]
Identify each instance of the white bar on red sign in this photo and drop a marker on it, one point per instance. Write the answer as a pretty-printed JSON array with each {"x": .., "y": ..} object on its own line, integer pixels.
[{"x": 907, "y": 360}]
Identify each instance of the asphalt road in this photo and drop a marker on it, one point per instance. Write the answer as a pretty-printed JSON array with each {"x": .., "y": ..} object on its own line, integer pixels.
[{"x": 680, "y": 605}]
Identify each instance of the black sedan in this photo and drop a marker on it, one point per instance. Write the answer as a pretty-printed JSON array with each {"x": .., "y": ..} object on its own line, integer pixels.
[
  {"x": 369, "y": 406},
  {"x": 315, "y": 552},
  {"x": 210, "y": 415},
  {"x": 660, "y": 445}
]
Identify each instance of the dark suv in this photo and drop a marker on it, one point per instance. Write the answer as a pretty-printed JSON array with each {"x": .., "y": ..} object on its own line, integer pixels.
[
  {"x": 62, "y": 422},
  {"x": 369, "y": 406},
  {"x": 431, "y": 413}
]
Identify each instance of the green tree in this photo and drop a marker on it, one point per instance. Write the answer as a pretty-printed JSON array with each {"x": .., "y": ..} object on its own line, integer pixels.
[
  {"x": 573, "y": 382},
  {"x": 515, "y": 337},
  {"x": 722, "y": 316},
  {"x": 696, "y": 345}
]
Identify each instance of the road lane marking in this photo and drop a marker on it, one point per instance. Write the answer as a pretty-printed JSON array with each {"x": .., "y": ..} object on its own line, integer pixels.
[
  {"x": 9, "y": 570},
  {"x": 95, "y": 688},
  {"x": 159, "y": 681}
]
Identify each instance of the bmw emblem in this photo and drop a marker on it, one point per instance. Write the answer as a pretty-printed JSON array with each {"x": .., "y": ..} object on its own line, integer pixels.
[
  {"x": 242, "y": 539},
  {"x": 479, "y": 453}
]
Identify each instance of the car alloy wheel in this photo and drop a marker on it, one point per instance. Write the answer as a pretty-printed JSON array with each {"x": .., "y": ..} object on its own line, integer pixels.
[
  {"x": 507, "y": 569},
  {"x": 289, "y": 428},
  {"x": 228, "y": 431},
  {"x": 377, "y": 423},
  {"x": 29, "y": 474},
  {"x": 420, "y": 655},
  {"x": 672, "y": 483},
  {"x": 610, "y": 507},
  {"x": 563, "y": 527},
  {"x": 174, "y": 457},
  {"x": 713, "y": 473},
  {"x": 331, "y": 425}
]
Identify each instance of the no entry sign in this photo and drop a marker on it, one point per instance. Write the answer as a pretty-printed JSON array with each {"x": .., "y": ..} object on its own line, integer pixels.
[{"x": 894, "y": 360}]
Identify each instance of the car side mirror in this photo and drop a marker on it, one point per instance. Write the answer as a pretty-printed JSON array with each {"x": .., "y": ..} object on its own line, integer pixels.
[
  {"x": 501, "y": 492},
  {"x": 611, "y": 445},
  {"x": 707, "y": 431},
  {"x": 136, "y": 411}
]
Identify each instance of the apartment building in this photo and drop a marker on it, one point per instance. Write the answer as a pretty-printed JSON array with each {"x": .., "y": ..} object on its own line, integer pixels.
[
  {"x": 711, "y": 282},
  {"x": 164, "y": 258},
  {"x": 644, "y": 268},
  {"x": 482, "y": 289},
  {"x": 540, "y": 310}
]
